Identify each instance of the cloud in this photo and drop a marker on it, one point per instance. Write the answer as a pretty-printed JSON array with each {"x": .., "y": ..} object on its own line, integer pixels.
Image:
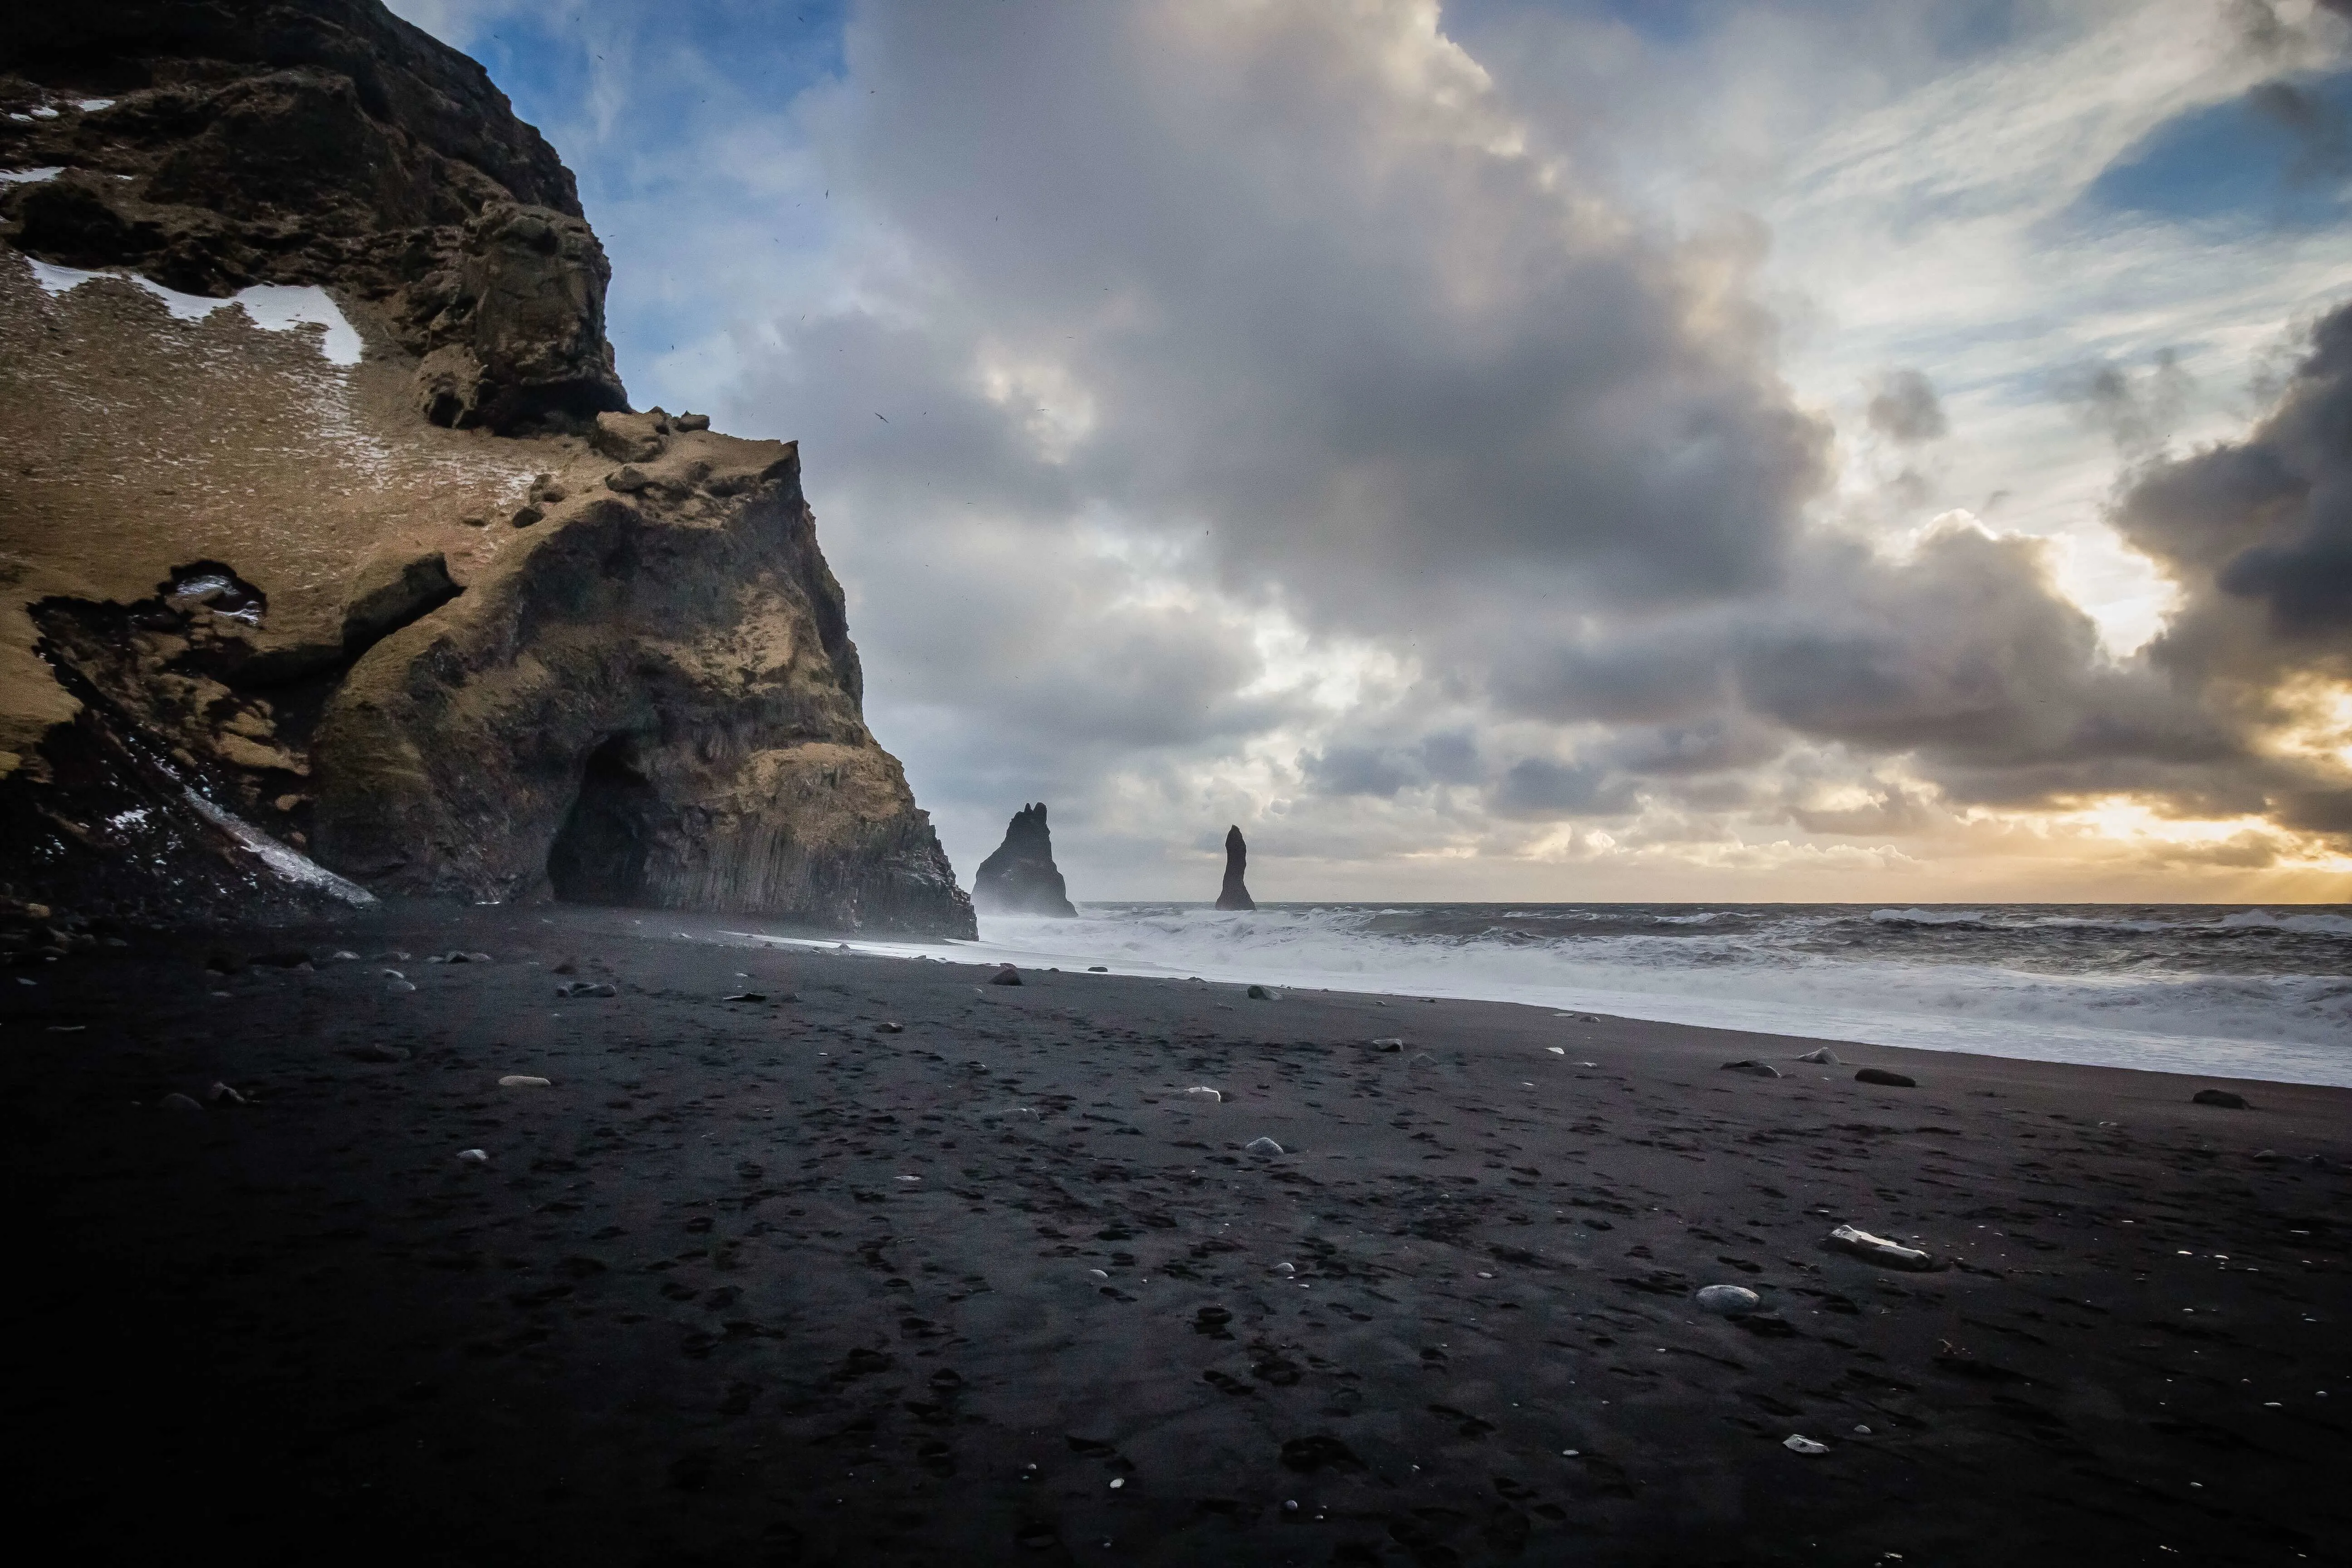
[
  {"x": 2138, "y": 412},
  {"x": 1906, "y": 410},
  {"x": 1479, "y": 439},
  {"x": 2267, "y": 522}
]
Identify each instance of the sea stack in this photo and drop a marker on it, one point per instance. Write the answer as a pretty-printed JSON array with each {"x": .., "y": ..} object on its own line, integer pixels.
[
  {"x": 1235, "y": 895},
  {"x": 1020, "y": 879}
]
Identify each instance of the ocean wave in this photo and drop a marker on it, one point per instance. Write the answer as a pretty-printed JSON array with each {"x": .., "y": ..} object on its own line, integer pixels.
[
  {"x": 1928, "y": 917},
  {"x": 2297, "y": 925},
  {"x": 2150, "y": 988}
]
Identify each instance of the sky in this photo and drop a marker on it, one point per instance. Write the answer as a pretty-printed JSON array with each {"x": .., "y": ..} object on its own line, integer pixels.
[{"x": 1533, "y": 449}]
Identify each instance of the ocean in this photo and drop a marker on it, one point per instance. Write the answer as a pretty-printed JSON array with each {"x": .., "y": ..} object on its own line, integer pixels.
[{"x": 2259, "y": 993}]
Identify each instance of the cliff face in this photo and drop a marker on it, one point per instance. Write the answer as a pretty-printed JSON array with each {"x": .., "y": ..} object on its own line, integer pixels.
[
  {"x": 443, "y": 615},
  {"x": 1020, "y": 877}
]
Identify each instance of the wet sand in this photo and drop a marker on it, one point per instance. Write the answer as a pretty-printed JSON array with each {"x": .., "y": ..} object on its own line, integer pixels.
[{"x": 769, "y": 1282}]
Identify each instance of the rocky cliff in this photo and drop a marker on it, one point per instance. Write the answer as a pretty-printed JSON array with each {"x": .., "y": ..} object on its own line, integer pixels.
[
  {"x": 1020, "y": 877},
  {"x": 324, "y": 526}
]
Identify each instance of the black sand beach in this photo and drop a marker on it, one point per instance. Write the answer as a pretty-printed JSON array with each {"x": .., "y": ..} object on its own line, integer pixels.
[{"x": 772, "y": 1281}]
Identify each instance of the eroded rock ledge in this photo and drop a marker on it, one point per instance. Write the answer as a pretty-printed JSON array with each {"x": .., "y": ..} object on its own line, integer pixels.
[{"x": 449, "y": 621}]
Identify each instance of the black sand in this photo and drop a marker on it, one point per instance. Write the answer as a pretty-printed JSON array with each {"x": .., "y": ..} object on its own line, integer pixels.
[{"x": 691, "y": 1309}]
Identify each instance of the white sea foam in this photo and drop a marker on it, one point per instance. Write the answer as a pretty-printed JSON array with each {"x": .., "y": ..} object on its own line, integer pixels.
[
  {"x": 1989, "y": 982},
  {"x": 273, "y": 307}
]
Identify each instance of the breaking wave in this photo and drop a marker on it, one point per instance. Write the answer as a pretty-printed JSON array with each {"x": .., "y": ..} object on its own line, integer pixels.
[{"x": 2250, "y": 993}]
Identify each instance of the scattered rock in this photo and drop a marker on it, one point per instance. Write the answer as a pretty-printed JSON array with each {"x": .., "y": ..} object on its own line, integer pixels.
[
  {"x": 1423, "y": 1059},
  {"x": 1890, "y": 1079},
  {"x": 1797, "y": 1444},
  {"x": 1731, "y": 1300},
  {"x": 389, "y": 593},
  {"x": 1752, "y": 1069},
  {"x": 1825, "y": 1057},
  {"x": 763, "y": 996},
  {"x": 1265, "y": 1146},
  {"x": 1203, "y": 1091},
  {"x": 588, "y": 988},
  {"x": 522, "y": 1080},
  {"x": 628, "y": 479},
  {"x": 400, "y": 987},
  {"x": 1879, "y": 1251},
  {"x": 1008, "y": 975},
  {"x": 1260, "y": 993},
  {"x": 627, "y": 438},
  {"x": 221, "y": 1094},
  {"x": 690, "y": 422},
  {"x": 1099, "y": 969},
  {"x": 1389, "y": 1044},
  {"x": 473, "y": 1156},
  {"x": 178, "y": 1102},
  {"x": 889, "y": 1028},
  {"x": 2225, "y": 1098}
]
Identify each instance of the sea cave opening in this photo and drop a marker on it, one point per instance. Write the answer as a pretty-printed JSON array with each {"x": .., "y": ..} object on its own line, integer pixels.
[{"x": 598, "y": 854}]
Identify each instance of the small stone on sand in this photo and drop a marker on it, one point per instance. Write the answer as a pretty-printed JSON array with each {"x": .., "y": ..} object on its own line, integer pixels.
[
  {"x": 178, "y": 1102},
  {"x": 473, "y": 1156},
  {"x": 1879, "y": 1251},
  {"x": 1824, "y": 1057},
  {"x": 1260, "y": 993},
  {"x": 522, "y": 1080},
  {"x": 1203, "y": 1091},
  {"x": 2221, "y": 1097},
  {"x": 1728, "y": 1299},
  {"x": 1390, "y": 1044},
  {"x": 1752, "y": 1069},
  {"x": 1008, "y": 975},
  {"x": 1797, "y": 1444},
  {"x": 1262, "y": 1146},
  {"x": 1890, "y": 1079}
]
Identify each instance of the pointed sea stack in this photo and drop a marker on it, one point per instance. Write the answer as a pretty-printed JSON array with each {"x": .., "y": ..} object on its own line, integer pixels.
[
  {"x": 1020, "y": 879},
  {"x": 1235, "y": 895}
]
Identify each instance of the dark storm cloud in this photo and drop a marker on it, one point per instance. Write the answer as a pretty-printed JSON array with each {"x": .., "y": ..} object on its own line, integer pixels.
[
  {"x": 1167, "y": 317},
  {"x": 2266, "y": 521},
  {"x": 1344, "y": 769},
  {"x": 1382, "y": 353},
  {"x": 2318, "y": 127},
  {"x": 1905, "y": 408}
]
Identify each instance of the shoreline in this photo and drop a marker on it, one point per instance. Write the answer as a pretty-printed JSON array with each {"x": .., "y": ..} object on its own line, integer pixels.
[
  {"x": 691, "y": 1307},
  {"x": 2234, "y": 1058}
]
